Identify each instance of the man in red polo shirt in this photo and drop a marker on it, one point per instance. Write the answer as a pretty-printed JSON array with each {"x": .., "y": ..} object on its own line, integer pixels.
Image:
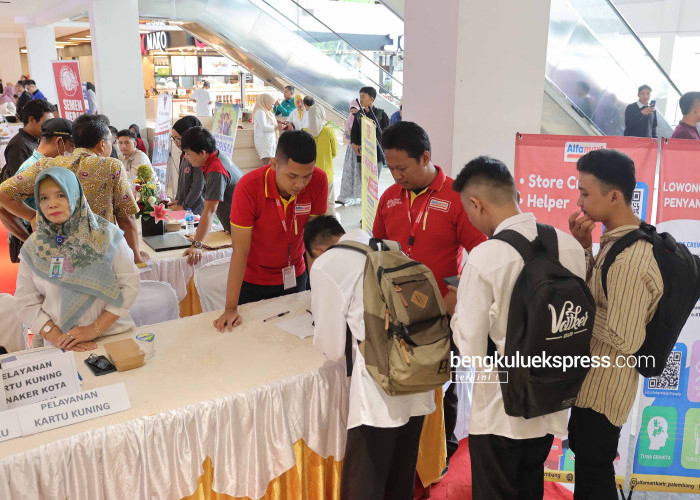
[
  {"x": 424, "y": 214},
  {"x": 270, "y": 207}
]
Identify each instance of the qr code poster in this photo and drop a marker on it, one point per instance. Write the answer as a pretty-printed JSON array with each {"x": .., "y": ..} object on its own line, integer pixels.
[
  {"x": 640, "y": 197},
  {"x": 668, "y": 383}
]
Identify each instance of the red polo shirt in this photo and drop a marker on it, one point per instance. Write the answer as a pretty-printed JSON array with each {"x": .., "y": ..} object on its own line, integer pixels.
[
  {"x": 441, "y": 232},
  {"x": 255, "y": 205}
]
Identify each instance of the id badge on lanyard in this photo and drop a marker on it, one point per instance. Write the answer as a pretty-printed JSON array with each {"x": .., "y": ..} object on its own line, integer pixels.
[
  {"x": 414, "y": 224},
  {"x": 56, "y": 268},
  {"x": 289, "y": 276}
]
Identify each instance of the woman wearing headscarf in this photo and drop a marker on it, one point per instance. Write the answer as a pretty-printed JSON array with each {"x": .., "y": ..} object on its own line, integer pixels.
[
  {"x": 326, "y": 148},
  {"x": 190, "y": 181},
  {"x": 265, "y": 128},
  {"x": 299, "y": 117},
  {"x": 92, "y": 98},
  {"x": 351, "y": 181},
  {"x": 8, "y": 94},
  {"x": 139, "y": 142},
  {"x": 76, "y": 280}
]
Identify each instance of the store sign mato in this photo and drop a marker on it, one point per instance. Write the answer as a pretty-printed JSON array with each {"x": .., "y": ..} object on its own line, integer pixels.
[
  {"x": 156, "y": 40},
  {"x": 575, "y": 150}
]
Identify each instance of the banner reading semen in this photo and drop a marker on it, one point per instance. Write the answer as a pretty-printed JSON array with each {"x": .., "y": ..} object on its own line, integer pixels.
[{"x": 68, "y": 88}]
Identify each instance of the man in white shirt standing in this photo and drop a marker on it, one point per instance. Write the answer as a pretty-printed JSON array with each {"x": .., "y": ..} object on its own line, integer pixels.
[
  {"x": 130, "y": 156},
  {"x": 204, "y": 99},
  {"x": 383, "y": 431},
  {"x": 507, "y": 453}
]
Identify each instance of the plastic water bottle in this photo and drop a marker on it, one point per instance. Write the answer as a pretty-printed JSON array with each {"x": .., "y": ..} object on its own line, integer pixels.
[{"x": 189, "y": 222}]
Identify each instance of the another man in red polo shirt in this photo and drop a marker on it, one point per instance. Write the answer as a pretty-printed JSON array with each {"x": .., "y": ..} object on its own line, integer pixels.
[
  {"x": 270, "y": 208},
  {"x": 424, "y": 214}
]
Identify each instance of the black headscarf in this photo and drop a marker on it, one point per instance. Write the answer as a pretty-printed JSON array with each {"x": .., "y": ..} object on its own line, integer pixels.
[
  {"x": 185, "y": 123},
  {"x": 136, "y": 130},
  {"x": 90, "y": 86}
]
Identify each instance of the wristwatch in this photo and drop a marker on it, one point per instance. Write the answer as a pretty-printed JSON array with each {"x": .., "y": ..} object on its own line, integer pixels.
[
  {"x": 197, "y": 244},
  {"x": 47, "y": 328}
]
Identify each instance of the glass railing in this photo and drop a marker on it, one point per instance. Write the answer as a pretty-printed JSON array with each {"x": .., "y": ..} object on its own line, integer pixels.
[
  {"x": 299, "y": 20},
  {"x": 598, "y": 61}
]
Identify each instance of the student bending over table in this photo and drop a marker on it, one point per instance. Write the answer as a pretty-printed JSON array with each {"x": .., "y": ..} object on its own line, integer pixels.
[{"x": 77, "y": 278}]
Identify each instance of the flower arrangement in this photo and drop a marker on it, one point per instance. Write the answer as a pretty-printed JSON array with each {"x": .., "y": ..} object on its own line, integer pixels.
[{"x": 150, "y": 197}]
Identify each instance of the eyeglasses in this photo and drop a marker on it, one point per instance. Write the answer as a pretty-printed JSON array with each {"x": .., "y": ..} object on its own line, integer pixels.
[{"x": 177, "y": 140}]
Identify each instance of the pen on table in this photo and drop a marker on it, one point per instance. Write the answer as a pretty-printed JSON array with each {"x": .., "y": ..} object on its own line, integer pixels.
[{"x": 276, "y": 316}]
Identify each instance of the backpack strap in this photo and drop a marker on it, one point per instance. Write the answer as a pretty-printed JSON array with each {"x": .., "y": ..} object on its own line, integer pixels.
[
  {"x": 548, "y": 238},
  {"x": 348, "y": 350},
  {"x": 352, "y": 245},
  {"x": 517, "y": 241},
  {"x": 617, "y": 248}
]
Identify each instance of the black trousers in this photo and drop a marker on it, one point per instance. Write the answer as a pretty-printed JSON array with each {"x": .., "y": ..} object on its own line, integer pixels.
[
  {"x": 450, "y": 402},
  {"x": 380, "y": 463},
  {"x": 593, "y": 439},
  {"x": 250, "y": 292},
  {"x": 508, "y": 469}
]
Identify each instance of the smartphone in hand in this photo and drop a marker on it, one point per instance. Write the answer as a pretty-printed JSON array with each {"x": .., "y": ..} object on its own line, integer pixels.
[{"x": 452, "y": 281}]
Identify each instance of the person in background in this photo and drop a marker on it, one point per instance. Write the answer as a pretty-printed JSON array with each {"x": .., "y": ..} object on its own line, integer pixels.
[
  {"x": 582, "y": 99},
  {"x": 383, "y": 431},
  {"x": 115, "y": 147},
  {"x": 285, "y": 107},
  {"x": 139, "y": 142},
  {"x": 64, "y": 292},
  {"x": 131, "y": 157},
  {"x": 36, "y": 93},
  {"x": 203, "y": 99},
  {"x": 326, "y": 148},
  {"x": 23, "y": 97},
  {"x": 23, "y": 144},
  {"x": 8, "y": 94},
  {"x": 690, "y": 107},
  {"x": 398, "y": 116},
  {"x": 190, "y": 183},
  {"x": 220, "y": 179},
  {"x": 640, "y": 117},
  {"x": 56, "y": 140},
  {"x": 380, "y": 119},
  {"x": 299, "y": 118},
  {"x": 104, "y": 180},
  {"x": 265, "y": 128},
  {"x": 308, "y": 101},
  {"x": 351, "y": 181},
  {"x": 92, "y": 97},
  {"x": 270, "y": 208}
]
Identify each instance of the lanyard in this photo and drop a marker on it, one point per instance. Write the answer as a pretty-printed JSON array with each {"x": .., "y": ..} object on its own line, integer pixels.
[
  {"x": 421, "y": 216},
  {"x": 287, "y": 230}
]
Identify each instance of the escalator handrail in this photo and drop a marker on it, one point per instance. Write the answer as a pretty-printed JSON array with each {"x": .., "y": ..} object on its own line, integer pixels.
[{"x": 574, "y": 106}]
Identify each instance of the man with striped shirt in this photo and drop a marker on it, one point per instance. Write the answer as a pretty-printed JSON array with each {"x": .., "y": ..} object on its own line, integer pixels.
[{"x": 606, "y": 184}]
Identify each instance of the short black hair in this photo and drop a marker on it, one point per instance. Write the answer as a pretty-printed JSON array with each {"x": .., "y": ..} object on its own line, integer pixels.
[
  {"x": 35, "y": 109},
  {"x": 321, "y": 229},
  {"x": 198, "y": 139},
  {"x": 488, "y": 171},
  {"x": 30, "y": 82},
  {"x": 290, "y": 88},
  {"x": 687, "y": 100},
  {"x": 21, "y": 83},
  {"x": 113, "y": 130},
  {"x": 126, "y": 133},
  {"x": 89, "y": 130},
  {"x": 643, "y": 87},
  {"x": 309, "y": 101},
  {"x": 406, "y": 136},
  {"x": 297, "y": 145},
  {"x": 611, "y": 167},
  {"x": 370, "y": 91},
  {"x": 205, "y": 83}
]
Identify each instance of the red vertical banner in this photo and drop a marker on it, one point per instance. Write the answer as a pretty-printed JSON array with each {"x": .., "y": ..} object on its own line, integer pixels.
[
  {"x": 547, "y": 179},
  {"x": 66, "y": 75},
  {"x": 679, "y": 181}
]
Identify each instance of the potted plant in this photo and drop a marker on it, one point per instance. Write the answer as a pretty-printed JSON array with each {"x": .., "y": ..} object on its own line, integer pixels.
[{"x": 151, "y": 201}]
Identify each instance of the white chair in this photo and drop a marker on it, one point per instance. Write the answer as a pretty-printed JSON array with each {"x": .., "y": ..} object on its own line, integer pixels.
[
  {"x": 12, "y": 331},
  {"x": 155, "y": 303},
  {"x": 210, "y": 281}
]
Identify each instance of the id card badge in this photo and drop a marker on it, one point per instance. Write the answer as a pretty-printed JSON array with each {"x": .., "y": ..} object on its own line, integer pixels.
[
  {"x": 289, "y": 277},
  {"x": 56, "y": 269}
]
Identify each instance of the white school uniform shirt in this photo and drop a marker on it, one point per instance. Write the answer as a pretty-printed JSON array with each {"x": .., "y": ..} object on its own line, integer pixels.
[
  {"x": 134, "y": 161},
  {"x": 264, "y": 135},
  {"x": 336, "y": 298},
  {"x": 483, "y": 302},
  {"x": 39, "y": 300},
  {"x": 203, "y": 98}
]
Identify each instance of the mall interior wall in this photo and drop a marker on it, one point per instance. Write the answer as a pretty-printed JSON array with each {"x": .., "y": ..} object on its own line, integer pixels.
[
  {"x": 474, "y": 75},
  {"x": 41, "y": 49},
  {"x": 10, "y": 63}
]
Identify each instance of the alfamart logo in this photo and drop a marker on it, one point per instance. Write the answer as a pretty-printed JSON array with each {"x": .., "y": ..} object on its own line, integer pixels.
[{"x": 575, "y": 150}]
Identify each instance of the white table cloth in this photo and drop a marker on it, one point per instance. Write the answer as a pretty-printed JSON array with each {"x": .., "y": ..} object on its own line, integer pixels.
[{"x": 241, "y": 398}]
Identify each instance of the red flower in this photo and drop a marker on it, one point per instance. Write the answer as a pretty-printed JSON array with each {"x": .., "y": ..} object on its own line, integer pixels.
[{"x": 138, "y": 187}]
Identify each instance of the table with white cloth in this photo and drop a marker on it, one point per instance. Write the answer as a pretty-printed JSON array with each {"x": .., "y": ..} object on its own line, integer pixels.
[{"x": 253, "y": 413}]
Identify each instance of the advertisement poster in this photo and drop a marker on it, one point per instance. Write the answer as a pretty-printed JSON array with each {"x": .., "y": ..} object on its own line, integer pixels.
[
  {"x": 370, "y": 187},
  {"x": 66, "y": 75},
  {"x": 667, "y": 452},
  {"x": 225, "y": 126},
  {"x": 161, "y": 136},
  {"x": 546, "y": 175}
]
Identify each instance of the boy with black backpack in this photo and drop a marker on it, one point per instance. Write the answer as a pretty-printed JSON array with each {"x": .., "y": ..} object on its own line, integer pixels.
[
  {"x": 522, "y": 291},
  {"x": 624, "y": 308}
]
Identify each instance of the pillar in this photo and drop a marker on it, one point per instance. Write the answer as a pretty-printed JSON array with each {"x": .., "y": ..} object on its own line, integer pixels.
[
  {"x": 41, "y": 50},
  {"x": 474, "y": 75},
  {"x": 116, "y": 55},
  {"x": 10, "y": 63}
]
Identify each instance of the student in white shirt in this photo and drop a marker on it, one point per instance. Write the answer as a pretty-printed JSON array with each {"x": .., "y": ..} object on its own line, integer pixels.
[
  {"x": 507, "y": 453},
  {"x": 77, "y": 279},
  {"x": 383, "y": 431},
  {"x": 130, "y": 155},
  {"x": 299, "y": 118},
  {"x": 203, "y": 99}
]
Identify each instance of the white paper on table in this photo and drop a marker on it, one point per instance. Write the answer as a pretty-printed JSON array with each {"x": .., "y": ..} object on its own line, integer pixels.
[{"x": 301, "y": 326}]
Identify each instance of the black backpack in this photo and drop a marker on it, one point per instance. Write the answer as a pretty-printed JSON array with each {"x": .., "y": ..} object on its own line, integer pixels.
[
  {"x": 552, "y": 312},
  {"x": 680, "y": 272}
]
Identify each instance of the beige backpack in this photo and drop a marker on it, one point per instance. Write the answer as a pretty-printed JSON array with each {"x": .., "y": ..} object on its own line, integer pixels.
[{"x": 407, "y": 335}]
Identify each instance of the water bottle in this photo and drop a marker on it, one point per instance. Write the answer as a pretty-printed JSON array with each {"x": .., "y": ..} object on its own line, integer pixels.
[{"x": 189, "y": 222}]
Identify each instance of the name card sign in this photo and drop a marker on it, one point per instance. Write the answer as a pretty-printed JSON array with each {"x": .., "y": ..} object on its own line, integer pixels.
[
  {"x": 48, "y": 376},
  {"x": 9, "y": 425}
]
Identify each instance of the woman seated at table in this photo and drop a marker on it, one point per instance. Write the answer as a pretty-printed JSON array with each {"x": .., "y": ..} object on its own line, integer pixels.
[{"x": 76, "y": 280}]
